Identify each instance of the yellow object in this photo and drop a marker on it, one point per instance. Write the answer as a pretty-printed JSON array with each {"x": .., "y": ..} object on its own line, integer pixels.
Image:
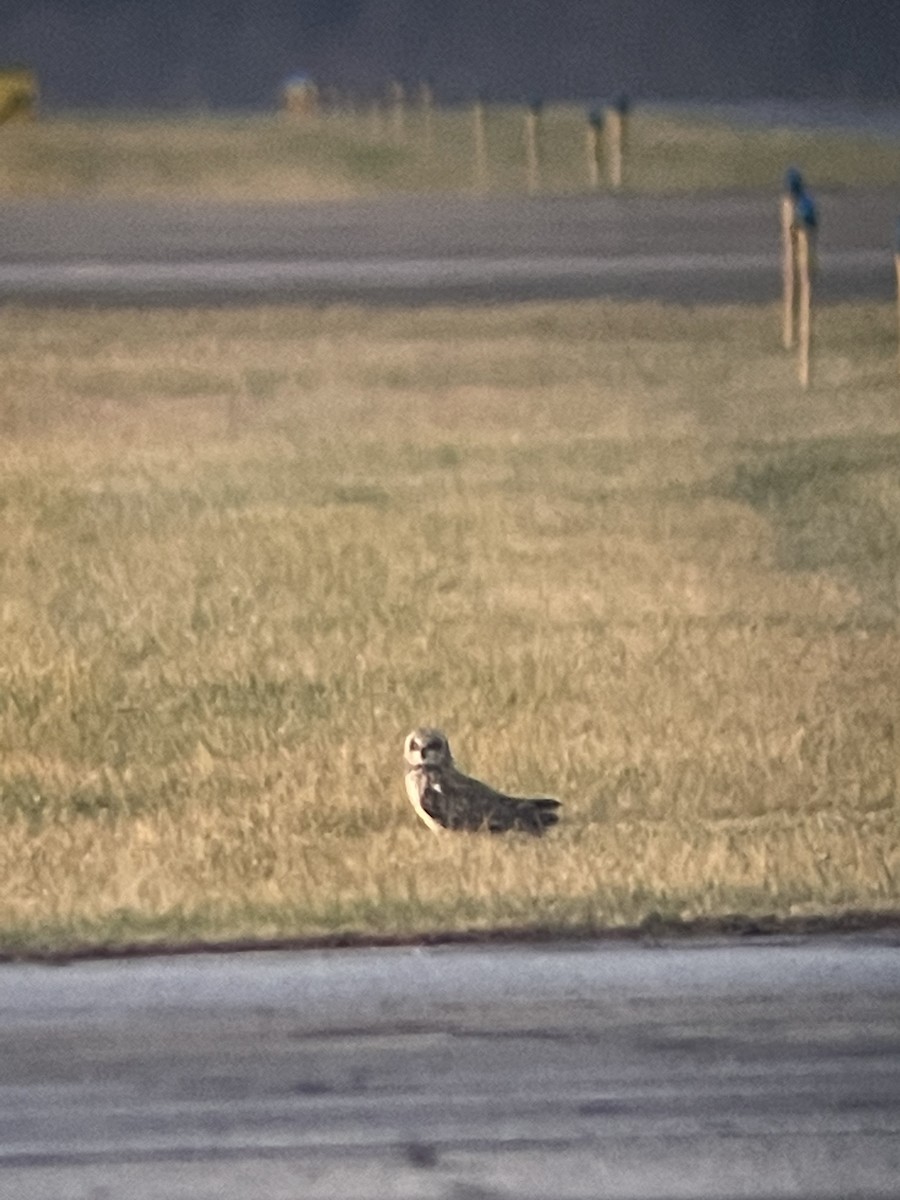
[{"x": 18, "y": 93}]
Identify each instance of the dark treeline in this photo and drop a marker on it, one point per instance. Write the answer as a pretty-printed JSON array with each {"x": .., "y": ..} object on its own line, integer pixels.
[{"x": 233, "y": 53}]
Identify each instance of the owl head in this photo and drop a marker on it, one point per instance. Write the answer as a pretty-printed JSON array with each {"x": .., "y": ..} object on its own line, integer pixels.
[{"x": 426, "y": 747}]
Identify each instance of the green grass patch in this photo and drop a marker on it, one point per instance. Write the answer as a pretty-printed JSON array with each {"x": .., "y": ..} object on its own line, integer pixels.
[{"x": 612, "y": 549}]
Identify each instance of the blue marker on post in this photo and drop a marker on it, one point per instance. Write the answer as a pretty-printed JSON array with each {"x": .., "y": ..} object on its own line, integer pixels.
[
  {"x": 805, "y": 213},
  {"x": 793, "y": 182}
]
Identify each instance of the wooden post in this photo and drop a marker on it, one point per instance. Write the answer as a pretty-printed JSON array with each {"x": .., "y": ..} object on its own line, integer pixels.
[
  {"x": 897, "y": 268},
  {"x": 532, "y": 145},
  {"x": 799, "y": 224},
  {"x": 479, "y": 133},
  {"x": 623, "y": 106},
  {"x": 788, "y": 270},
  {"x": 614, "y": 148},
  {"x": 617, "y": 135},
  {"x": 804, "y": 322},
  {"x": 592, "y": 145}
]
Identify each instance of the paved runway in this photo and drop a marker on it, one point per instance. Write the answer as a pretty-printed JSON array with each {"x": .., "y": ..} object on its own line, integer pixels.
[
  {"x": 764, "y": 1070},
  {"x": 712, "y": 247}
]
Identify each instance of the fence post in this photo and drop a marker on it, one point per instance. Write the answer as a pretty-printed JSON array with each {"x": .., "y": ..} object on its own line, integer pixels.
[
  {"x": 804, "y": 316},
  {"x": 479, "y": 134},
  {"x": 807, "y": 226},
  {"x": 799, "y": 225},
  {"x": 793, "y": 187},
  {"x": 897, "y": 268},
  {"x": 798, "y": 212},
  {"x": 593, "y": 143},
  {"x": 617, "y": 126},
  {"x": 532, "y": 144}
]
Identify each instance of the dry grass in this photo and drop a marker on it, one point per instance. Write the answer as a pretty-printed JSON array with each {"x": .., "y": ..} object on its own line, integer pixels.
[
  {"x": 611, "y": 549},
  {"x": 271, "y": 157}
]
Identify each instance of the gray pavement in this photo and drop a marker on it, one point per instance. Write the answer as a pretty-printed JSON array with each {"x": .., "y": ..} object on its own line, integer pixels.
[
  {"x": 767, "y": 1069},
  {"x": 712, "y": 247}
]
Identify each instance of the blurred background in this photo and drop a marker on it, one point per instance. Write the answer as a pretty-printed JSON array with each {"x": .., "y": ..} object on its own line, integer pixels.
[{"x": 234, "y": 54}]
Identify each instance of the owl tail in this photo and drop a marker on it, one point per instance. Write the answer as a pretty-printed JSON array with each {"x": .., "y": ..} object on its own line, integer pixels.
[
  {"x": 546, "y": 811},
  {"x": 536, "y": 815}
]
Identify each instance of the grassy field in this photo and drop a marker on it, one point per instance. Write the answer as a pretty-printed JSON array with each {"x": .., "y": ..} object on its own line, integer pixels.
[
  {"x": 274, "y": 157},
  {"x": 612, "y": 550}
]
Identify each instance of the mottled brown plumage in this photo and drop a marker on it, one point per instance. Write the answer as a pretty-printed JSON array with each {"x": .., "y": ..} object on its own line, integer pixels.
[{"x": 446, "y": 799}]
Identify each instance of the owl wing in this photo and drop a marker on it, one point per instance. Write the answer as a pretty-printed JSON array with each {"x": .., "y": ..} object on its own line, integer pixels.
[
  {"x": 460, "y": 802},
  {"x": 448, "y": 806}
]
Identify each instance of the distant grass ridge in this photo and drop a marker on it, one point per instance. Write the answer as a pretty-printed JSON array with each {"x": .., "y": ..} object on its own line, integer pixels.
[
  {"x": 612, "y": 549},
  {"x": 272, "y": 157}
]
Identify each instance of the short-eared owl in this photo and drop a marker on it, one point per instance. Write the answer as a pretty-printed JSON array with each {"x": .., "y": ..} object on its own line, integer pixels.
[{"x": 446, "y": 799}]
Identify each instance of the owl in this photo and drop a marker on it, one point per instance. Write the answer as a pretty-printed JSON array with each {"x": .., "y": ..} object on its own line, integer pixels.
[{"x": 446, "y": 799}]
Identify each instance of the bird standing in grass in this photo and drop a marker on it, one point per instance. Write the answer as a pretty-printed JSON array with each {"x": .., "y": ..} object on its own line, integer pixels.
[{"x": 446, "y": 799}]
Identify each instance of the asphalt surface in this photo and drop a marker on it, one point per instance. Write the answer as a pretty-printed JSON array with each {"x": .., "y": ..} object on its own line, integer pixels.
[
  {"x": 456, "y": 248},
  {"x": 764, "y": 1070}
]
